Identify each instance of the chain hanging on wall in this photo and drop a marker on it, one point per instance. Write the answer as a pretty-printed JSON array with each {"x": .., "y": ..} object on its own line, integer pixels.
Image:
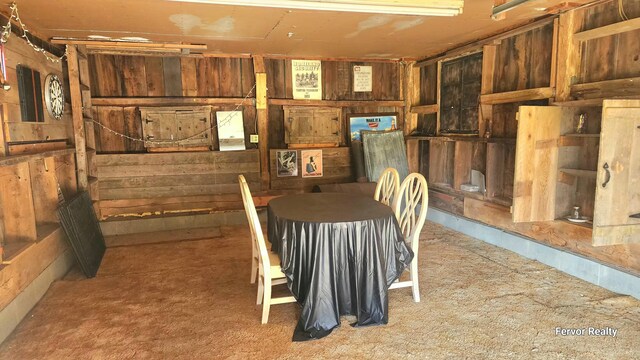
[
  {"x": 224, "y": 122},
  {"x": 6, "y": 33}
]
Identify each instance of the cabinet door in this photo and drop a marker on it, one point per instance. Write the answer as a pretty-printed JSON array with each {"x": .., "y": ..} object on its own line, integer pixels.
[
  {"x": 298, "y": 126},
  {"x": 326, "y": 126},
  {"x": 193, "y": 126},
  {"x": 159, "y": 126},
  {"x": 536, "y": 168},
  {"x": 616, "y": 217}
]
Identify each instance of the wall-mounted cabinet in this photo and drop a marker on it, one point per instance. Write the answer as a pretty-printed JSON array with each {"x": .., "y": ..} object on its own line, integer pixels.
[
  {"x": 312, "y": 126},
  {"x": 561, "y": 164},
  {"x": 190, "y": 125}
]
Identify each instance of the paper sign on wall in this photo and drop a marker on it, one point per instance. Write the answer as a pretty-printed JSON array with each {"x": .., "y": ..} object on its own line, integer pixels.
[
  {"x": 306, "y": 76},
  {"x": 362, "y": 78},
  {"x": 230, "y": 130},
  {"x": 311, "y": 163}
]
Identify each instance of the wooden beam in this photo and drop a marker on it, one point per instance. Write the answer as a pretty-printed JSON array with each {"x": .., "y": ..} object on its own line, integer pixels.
[
  {"x": 607, "y": 88},
  {"x": 411, "y": 96},
  {"x": 168, "y": 101},
  {"x": 485, "y": 113},
  {"x": 608, "y": 30},
  {"x": 568, "y": 55},
  {"x": 517, "y": 96},
  {"x": 592, "y": 102},
  {"x": 3, "y": 140},
  {"x": 425, "y": 109},
  {"x": 413, "y": 154},
  {"x": 127, "y": 44},
  {"x": 554, "y": 53},
  {"x": 438, "y": 95},
  {"x": 77, "y": 116},
  {"x": 338, "y": 103},
  {"x": 474, "y": 46},
  {"x": 262, "y": 114}
]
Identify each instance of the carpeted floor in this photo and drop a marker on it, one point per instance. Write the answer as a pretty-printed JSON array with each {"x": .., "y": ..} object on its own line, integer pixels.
[{"x": 193, "y": 300}]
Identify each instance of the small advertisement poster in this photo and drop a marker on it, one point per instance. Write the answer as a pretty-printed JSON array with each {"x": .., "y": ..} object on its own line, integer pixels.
[
  {"x": 230, "y": 130},
  {"x": 287, "y": 163},
  {"x": 311, "y": 163},
  {"x": 362, "y": 78},
  {"x": 306, "y": 76},
  {"x": 380, "y": 122}
]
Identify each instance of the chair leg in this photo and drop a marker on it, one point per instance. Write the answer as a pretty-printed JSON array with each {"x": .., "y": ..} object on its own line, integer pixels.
[
  {"x": 414, "y": 281},
  {"x": 260, "y": 290},
  {"x": 254, "y": 270},
  {"x": 267, "y": 300}
]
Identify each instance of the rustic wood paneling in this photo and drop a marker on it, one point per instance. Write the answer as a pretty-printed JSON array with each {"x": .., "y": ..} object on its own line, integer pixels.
[
  {"x": 610, "y": 57},
  {"x": 336, "y": 169},
  {"x": 161, "y": 176},
  {"x": 524, "y": 61}
]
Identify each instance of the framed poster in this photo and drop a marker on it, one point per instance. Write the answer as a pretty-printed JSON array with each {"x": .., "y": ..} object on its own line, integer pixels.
[
  {"x": 362, "y": 78},
  {"x": 373, "y": 122},
  {"x": 306, "y": 76},
  {"x": 230, "y": 130},
  {"x": 311, "y": 163},
  {"x": 287, "y": 163}
]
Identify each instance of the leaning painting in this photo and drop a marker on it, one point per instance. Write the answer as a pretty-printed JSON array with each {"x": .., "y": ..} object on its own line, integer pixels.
[{"x": 372, "y": 122}]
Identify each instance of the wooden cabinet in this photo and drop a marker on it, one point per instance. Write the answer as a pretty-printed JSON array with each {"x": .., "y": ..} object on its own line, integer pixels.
[
  {"x": 320, "y": 126},
  {"x": 558, "y": 168},
  {"x": 164, "y": 127}
]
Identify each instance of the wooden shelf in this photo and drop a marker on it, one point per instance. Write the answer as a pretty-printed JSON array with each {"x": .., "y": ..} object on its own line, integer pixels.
[
  {"x": 169, "y": 101},
  {"x": 425, "y": 109},
  {"x": 501, "y": 200},
  {"x": 581, "y": 135},
  {"x": 580, "y": 173},
  {"x": 14, "y": 250},
  {"x": 576, "y": 139},
  {"x": 337, "y": 103},
  {"x": 608, "y": 30},
  {"x": 17, "y": 159},
  {"x": 517, "y": 96}
]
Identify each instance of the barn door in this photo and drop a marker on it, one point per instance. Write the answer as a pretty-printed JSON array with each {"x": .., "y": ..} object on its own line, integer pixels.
[
  {"x": 616, "y": 217},
  {"x": 536, "y": 168}
]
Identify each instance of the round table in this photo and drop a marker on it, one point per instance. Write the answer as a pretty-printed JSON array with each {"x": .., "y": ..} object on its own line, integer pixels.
[{"x": 340, "y": 253}]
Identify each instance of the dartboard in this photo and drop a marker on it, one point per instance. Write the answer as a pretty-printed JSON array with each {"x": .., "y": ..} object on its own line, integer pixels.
[{"x": 54, "y": 96}]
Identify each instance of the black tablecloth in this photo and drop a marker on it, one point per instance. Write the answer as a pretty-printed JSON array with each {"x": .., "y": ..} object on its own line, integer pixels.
[{"x": 340, "y": 253}]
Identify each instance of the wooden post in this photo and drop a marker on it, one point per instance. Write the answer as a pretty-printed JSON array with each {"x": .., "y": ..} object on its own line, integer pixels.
[
  {"x": 3, "y": 142},
  {"x": 568, "y": 57},
  {"x": 78, "y": 119},
  {"x": 439, "y": 79},
  {"x": 262, "y": 113},
  {"x": 411, "y": 96},
  {"x": 488, "y": 70}
]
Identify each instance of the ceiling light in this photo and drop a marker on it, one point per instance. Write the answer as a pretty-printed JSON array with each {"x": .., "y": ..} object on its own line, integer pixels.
[{"x": 395, "y": 7}]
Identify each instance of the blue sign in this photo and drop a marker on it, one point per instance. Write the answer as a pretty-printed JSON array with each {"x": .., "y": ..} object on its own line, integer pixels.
[{"x": 373, "y": 122}]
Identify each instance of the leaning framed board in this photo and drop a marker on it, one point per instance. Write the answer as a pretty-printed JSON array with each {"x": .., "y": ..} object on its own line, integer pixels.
[{"x": 383, "y": 149}]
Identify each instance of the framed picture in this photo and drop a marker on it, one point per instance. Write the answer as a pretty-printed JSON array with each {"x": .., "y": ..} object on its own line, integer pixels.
[
  {"x": 287, "y": 163},
  {"x": 311, "y": 163},
  {"x": 372, "y": 122},
  {"x": 306, "y": 77}
]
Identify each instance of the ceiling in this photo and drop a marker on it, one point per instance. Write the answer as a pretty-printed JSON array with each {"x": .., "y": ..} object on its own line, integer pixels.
[{"x": 271, "y": 31}]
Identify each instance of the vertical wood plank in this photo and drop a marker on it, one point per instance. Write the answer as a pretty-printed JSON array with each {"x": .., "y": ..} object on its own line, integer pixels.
[
  {"x": 45, "y": 190},
  {"x": 78, "y": 120},
  {"x": 568, "y": 54},
  {"x": 189, "y": 82},
  {"x": 155, "y": 76},
  {"x": 17, "y": 204},
  {"x": 172, "y": 76},
  {"x": 263, "y": 123}
]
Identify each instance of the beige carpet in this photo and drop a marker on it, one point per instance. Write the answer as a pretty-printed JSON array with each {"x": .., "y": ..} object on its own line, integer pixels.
[{"x": 193, "y": 300}]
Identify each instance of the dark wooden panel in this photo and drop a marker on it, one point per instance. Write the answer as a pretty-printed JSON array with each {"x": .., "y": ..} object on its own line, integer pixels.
[
  {"x": 428, "y": 84},
  {"x": 172, "y": 76},
  {"x": 106, "y": 79}
]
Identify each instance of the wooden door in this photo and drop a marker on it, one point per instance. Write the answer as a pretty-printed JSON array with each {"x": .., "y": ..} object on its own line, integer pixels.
[
  {"x": 159, "y": 126},
  {"x": 616, "y": 217},
  {"x": 326, "y": 126},
  {"x": 536, "y": 168},
  {"x": 192, "y": 126}
]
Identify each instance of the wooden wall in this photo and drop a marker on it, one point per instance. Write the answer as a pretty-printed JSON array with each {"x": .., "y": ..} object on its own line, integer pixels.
[
  {"x": 143, "y": 184},
  {"x": 610, "y": 57},
  {"x": 336, "y": 169},
  {"x": 14, "y": 129},
  {"x": 117, "y": 81},
  {"x": 30, "y": 236},
  {"x": 337, "y": 80}
]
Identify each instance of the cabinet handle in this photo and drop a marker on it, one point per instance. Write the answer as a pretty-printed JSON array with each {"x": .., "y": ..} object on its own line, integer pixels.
[
  {"x": 148, "y": 121},
  {"x": 607, "y": 175}
]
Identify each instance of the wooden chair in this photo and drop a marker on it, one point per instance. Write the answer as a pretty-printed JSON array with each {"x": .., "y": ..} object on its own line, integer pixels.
[
  {"x": 413, "y": 192},
  {"x": 388, "y": 186},
  {"x": 269, "y": 271}
]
